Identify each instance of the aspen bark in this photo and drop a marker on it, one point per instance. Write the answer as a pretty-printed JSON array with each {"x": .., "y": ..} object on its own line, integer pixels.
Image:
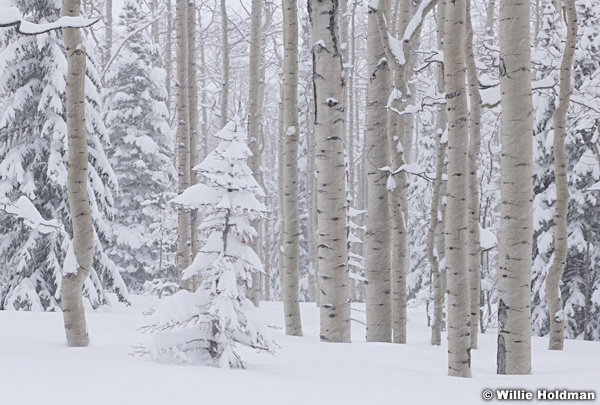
[
  {"x": 473, "y": 239},
  {"x": 254, "y": 134},
  {"x": 489, "y": 20},
  {"x": 193, "y": 127},
  {"x": 331, "y": 172},
  {"x": 516, "y": 191},
  {"x": 553, "y": 297},
  {"x": 203, "y": 95},
  {"x": 459, "y": 345},
  {"x": 377, "y": 244},
  {"x": 169, "y": 56},
  {"x": 312, "y": 203},
  {"x": 434, "y": 255},
  {"x": 109, "y": 31},
  {"x": 77, "y": 183},
  {"x": 289, "y": 176},
  {"x": 225, "y": 50},
  {"x": 155, "y": 24},
  {"x": 398, "y": 135},
  {"x": 183, "y": 142}
]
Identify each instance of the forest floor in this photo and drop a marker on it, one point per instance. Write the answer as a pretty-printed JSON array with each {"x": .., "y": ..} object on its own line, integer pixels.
[{"x": 36, "y": 367}]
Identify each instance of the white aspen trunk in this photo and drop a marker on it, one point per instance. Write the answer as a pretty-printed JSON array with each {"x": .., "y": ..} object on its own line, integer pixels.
[
  {"x": 254, "y": 134},
  {"x": 194, "y": 130},
  {"x": 156, "y": 23},
  {"x": 109, "y": 31},
  {"x": 331, "y": 172},
  {"x": 289, "y": 176},
  {"x": 587, "y": 290},
  {"x": 312, "y": 203},
  {"x": 351, "y": 113},
  {"x": 553, "y": 297},
  {"x": 459, "y": 344},
  {"x": 169, "y": 56},
  {"x": 489, "y": 20},
  {"x": 399, "y": 134},
  {"x": 434, "y": 255},
  {"x": 378, "y": 240},
  {"x": 77, "y": 184},
  {"x": 203, "y": 96},
  {"x": 225, "y": 50},
  {"x": 473, "y": 239},
  {"x": 183, "y": 142},
  {"x": 516, "y": 190}
]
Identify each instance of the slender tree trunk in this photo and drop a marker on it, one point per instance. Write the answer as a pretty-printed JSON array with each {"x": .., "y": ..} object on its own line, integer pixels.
[
  {"x": 155, "y": 24},
  {"x": 378, "y": 237},
  {"x": 109, "y": 31},
  {"x": 489, "y": 20},
  {"x": 588, "y": 289},
  {"x": 459, "y": 344},
  {"x": 169, "y": 56},
  {"x": 516, "y": 190},
  {"x": 77, "y": 184},
  {"x": 194, "y": 130},
  {"x": 312, "y": 201},
  {"x": 331, "y": 172},
  {"x": 474, "y": 245},
  {"x": 183, "y": 142},
  {"x": 254, "y": 134},
  {"x": 225, "y": 50},
  {"x": 433, "y": 255},
  {"x": 555, "y": 302},
  {"x": 289, "y": 177},
  {"x": 203, "y": 96}
]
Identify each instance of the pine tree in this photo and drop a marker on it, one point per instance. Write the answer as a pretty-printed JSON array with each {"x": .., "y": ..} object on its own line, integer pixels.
[
  {"x": 218, "y": 315},
  {"x": 141, "y": 150},
  {"x": 33, "y": 163}
]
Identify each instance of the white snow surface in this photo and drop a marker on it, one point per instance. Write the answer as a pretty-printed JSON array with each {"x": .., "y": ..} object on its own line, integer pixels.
[{"x": 36, "y": 361}]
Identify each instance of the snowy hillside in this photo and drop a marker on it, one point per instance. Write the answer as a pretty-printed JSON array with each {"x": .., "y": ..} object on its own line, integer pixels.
[{"x": 37, "y": 364}]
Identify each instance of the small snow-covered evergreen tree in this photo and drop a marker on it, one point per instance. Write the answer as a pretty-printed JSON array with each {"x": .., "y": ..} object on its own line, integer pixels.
[
  {"x": 33, "y": 163},
  {"x": 141, "y": 150},
  {"x": 218, "y": 315}
]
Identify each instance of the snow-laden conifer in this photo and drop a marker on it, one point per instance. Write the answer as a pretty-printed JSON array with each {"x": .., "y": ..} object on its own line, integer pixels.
[
  {"x": 218, "y": 315},
  {"x": 141, "y": 150},
  {"x": 33, "y": 163}
]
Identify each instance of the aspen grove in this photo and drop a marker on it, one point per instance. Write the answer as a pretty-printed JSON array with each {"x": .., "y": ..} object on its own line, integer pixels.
[{"x": 271, "y": 176}]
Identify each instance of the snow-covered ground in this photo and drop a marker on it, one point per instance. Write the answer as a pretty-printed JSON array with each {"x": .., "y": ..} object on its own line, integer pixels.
[{"x": 36, "y": 367}]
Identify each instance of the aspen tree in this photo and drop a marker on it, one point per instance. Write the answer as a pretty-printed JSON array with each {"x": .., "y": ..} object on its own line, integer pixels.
[
  {"x": 254, "y": 133},
  {"x": 331, "y": 172},
  {"x": 194, "y": 132},
  {"x": 553, "y": 297},
  {"x": 77, "y": 185},
  {"x": 473, "y": 239},
  {"x": 109, "y": 31},
  {"x": 378, "y": 237},
  {"x": 516, "y": 191},
  {"x": 225, "y": 78},
  {"x": 291, "y": 226},
  {"x": 433, "y": 254},
  {"x": 183, "y": 142},
  {"x": 459, "y": 345}
]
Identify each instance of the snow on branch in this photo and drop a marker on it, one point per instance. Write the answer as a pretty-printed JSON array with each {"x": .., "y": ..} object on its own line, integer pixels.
[
  {"x": 23, "y": 208},
  {"x": 410, "y": 168},
  {"x": 395, "y": 48},
  {"x": 12, "y": 17}
]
